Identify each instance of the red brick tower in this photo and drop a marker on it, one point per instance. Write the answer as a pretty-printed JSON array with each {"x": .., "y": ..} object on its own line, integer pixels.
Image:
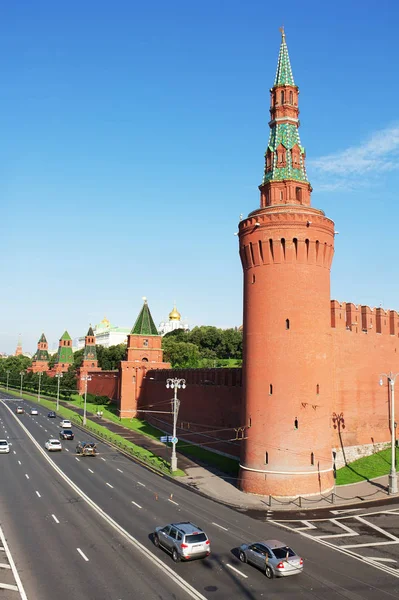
[
  {"x": 144, "y": 351},
  {"x": 41, "y": 358},
  {"x": 286, "y": 250},
  {"x": 64, "y": 356},
  {"x": 18, "y": 350},
  {"x": 90, "y": 362}
]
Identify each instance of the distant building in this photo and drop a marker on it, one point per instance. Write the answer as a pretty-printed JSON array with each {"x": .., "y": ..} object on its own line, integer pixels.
[
  {"x": 18, "y": 350},
  {"x": 106, "y": 335},
  {"x": 175, "y": 322}
]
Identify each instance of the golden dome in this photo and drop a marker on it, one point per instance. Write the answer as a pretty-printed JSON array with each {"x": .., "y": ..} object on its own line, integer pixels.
[
  {"x": 105, "y": 323},
  {"x": 174, "y": 315}
]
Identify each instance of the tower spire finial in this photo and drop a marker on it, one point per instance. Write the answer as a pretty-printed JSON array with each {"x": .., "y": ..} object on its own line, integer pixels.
[{"x": 282, "y": 31}]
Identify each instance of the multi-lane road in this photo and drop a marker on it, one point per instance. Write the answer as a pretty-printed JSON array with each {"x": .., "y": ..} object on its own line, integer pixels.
[{"x": 81, "y": 528}]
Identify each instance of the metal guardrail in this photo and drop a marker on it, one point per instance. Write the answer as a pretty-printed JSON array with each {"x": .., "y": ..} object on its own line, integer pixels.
[{"x": 301, "y": 501}]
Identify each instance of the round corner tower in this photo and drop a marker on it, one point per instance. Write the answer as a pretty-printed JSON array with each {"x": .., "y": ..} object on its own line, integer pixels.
[{"x": 286, "y": 250}]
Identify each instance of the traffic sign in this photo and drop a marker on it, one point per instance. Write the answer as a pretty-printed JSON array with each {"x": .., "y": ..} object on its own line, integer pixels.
[
  {"x": 164, "y": 438},
  {"x": 174, "y": 440}
]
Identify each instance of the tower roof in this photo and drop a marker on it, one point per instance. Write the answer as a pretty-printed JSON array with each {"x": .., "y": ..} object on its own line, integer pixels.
[
  {"x": 284, "y": 74},
  {"x": 42, "y": 339},
  {"x": 90, "y": 332},
  {"x": 144, "y": 324},
  {"x": 65, "y": 336}
]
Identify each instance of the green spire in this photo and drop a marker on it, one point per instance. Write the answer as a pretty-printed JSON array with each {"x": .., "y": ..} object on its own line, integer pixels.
[
  {"x": 144, "y": 324},
  {"x": 65, "y": 337},
  {"x": 43, "y": 339},
  {"x": 90, "y": 332},
  {"x": 284, "y": 74}
]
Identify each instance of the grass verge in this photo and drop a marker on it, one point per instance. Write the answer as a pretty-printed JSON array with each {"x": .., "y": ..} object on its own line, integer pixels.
[
  {"x": 369, "y": 467},
  {"x": 146, "y": 456}
]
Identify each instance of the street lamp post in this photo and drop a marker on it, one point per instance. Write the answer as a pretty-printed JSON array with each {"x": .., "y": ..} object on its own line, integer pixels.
[
  {"x": 393, "y": 480},
  {"x": 85, "y": 378},
  {"x": 8, "y": 375},
  {"x": 58, "y": 375},
  {"x": 175, "y": 384},
  {"x": 22, "y": 373},
  {"x": 38, "y": 389}
]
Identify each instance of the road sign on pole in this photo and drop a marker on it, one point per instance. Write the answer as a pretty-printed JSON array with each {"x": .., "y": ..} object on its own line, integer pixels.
[
  {"x": 164, "y": 438},
  {"x": 174, "y": 440}
]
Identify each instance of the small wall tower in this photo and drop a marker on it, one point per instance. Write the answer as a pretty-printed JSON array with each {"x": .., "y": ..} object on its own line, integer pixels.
[
  {"x": 65, "y": 355},
  {"x": 90, "y": 362},
  {"x": 18, "y": 350},
  {"x": 41, "y": 357},
  {"x": 286, "y": 250}
]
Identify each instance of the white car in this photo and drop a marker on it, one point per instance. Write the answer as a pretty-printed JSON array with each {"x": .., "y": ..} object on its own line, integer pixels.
[
  {"x": 4, "y": 447},
  {"x": 65, "y": 424},
  {"x": 53, "y": 445},
  {"x": 33, "y": 411}
]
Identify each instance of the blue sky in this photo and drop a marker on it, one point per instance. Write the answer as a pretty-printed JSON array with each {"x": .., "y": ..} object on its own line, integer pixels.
[{"x": 133, "y": 135}]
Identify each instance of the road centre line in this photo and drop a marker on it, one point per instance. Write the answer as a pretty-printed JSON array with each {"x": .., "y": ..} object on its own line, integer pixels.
[
  {"x": 135, "y": 503},
  {"x": 38, "y": 495},
  {"x": 237, "y": 571},
  {"x": 19, "y": 587},
  {"x": 14, "y": 451},
  {"x": 172, "y": 501},
  {"x": 26, "y": 475},
  {"x": 109, "y": 485},
  {"x": 76, "y": 458},
  {"x": 102, "y": 458},
  {"x": 55, "y": 518},
  {"x": 120, "y": 471},
  {"x": 153, "y": 558},
  {"x": 139, "y": 483},
  {"x": 221, "y": 526},
  {"x": 82, "y": 554},
  {"x": 90, "y": 470}
]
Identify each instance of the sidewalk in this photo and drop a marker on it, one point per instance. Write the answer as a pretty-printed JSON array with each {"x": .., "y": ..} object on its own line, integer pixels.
[{"x": 220, "y": 487}]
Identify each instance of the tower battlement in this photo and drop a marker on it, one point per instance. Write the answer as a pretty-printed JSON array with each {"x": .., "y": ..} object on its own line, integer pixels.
[{"x": 364, "y": 319}]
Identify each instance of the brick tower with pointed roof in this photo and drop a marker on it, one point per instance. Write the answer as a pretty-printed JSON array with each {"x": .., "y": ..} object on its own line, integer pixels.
[
  {"x": 18, "y": 350},
  {"x": 41, "y": 357},
  {"x": 286, "y": 250},
  {"x": 90, "y": 362},
  {"x": 144, "y": 351},
  {"x": 64, "y": 355}
]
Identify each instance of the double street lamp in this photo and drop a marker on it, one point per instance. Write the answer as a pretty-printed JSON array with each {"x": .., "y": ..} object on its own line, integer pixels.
[
  {"x": 85, "y": 378},
  {"x": 38, "y": 389},
  {"x": 59, "y": 376},
  {"x": 175, "y": 384},
  {"x": 393, "y": 480},
  {"x": 22, "y": 373},
  {"x": 8, "y": 375}
]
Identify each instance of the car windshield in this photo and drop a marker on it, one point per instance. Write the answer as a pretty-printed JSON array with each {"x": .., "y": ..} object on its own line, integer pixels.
[
  {"x": 195, "y": 538},
  {"x": 282, "y": 552},
  {"x": 3, "y": 443},
  {"x": 56, "y": 442},
  {"x": 67, "y": 431}
]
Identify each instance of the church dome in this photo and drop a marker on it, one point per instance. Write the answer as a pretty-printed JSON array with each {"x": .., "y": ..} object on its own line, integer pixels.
[
  {"x": 105, "y": 324},
  {"x": 174, "y": 315}
]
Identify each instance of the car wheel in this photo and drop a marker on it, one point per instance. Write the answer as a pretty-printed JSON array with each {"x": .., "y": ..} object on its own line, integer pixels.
[
  {"x": 175, "y": 556},
  {"x": 269, "y": 572},
  {"x": 156, "y": 541},
  {"x": 243, "y": 558}
]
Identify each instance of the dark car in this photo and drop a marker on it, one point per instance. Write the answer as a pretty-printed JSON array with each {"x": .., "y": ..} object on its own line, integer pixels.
[
  {"x": 52, "y": 415},
  {"x": 66, "y": 434},
  {"x": 86, "y": 449}
]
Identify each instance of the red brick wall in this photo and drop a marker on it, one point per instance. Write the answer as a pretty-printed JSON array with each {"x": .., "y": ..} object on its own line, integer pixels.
[{"x": 104, "y": 383}]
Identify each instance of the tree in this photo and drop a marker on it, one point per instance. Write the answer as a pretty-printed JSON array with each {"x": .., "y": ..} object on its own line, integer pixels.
[{"x": 181, "y": 355}]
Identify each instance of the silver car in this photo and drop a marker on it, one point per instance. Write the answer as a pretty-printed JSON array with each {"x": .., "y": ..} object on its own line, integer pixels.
[
  {"x": 184, "y": 541},
  {"x": 273, "y": 557}
]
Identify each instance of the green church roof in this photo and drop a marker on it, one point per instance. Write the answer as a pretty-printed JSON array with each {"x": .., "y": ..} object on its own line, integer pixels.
[
  {"x": 65, "y": 337},
  {"x": 144, "y": 324},
  {"x": 284, "y": 74}
]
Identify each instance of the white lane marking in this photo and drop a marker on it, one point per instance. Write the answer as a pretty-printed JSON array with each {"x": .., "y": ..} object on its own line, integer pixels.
[
  {"x": 82, "y": 554},
  {"x": 102, "y": 458},
  {"x": 172, "y": 501},
  {"x": 14, "y": 451},
  {"x": 109, "y": 485},
  {"x": 26, "y": 475},
  {"x": 389, "y": 535},
  {"x": 38, "y": 495},
  {"x": 19, "y": 587},
  {"x": 55, "y": 518},
  {"x": 19, "y": 462},
  {"x": 8, "y": 437},
  {"x": 177, "y": 579},
  {"x": 346, "y": 510},
  {"x": 76, "y": 458},
  {"x": 307, "y": 526},
  {"x": 387, "y": 560},
  {"x": 236, "y": 570},
  {"x": 139, "y": 483},
  {"x": 66, "y": 450},
  {"x": 90, "y": 470},
  {"x": 4, "y": 566},
  {"x": 349, "y": 531},
  {"x": 135, "y": 503},
  {"x": 368, "y": 545},
  {"x": 8, "y": 586},
  {"x": 221, "y": 526},
  {"x": 45, "y": 430},
  {"x": 119, "y": 470}
]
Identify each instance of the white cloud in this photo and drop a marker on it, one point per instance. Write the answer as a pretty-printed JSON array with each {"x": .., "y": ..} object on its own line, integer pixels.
[{"x": 379, "y": 153}]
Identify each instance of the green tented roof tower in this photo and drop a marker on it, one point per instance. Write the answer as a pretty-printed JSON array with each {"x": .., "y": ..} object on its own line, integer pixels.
[
  {"x": 65, "y": 352},
  {"x": 90, "y": 352},
  {"x": 144, "y": 324},
  {"x": 41, "y": 353}
]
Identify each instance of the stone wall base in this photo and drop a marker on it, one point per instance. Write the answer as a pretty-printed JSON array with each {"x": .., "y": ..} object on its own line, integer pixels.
[{"x": 352, "y": 453}]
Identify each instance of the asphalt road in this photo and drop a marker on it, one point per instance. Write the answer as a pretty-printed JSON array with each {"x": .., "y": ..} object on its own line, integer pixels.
[{"x": 137, "y": 500}]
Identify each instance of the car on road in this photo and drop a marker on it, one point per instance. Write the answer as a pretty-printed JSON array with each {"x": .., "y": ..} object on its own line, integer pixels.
[
  {"x": 20, "y": 410},
  {"x": 273, "y": 557},
  {"x": 53, "y": 445},
  {"x": 66, "y": 434},
  {"x": 33, "y": 411},
  {"x": 52, "y": 415},
  {"x": 184, "y": 541},
  {"x": 66, "y": 424},
  {"x": 86, "y": 449},
  {"x": 4, "y": 447}
]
